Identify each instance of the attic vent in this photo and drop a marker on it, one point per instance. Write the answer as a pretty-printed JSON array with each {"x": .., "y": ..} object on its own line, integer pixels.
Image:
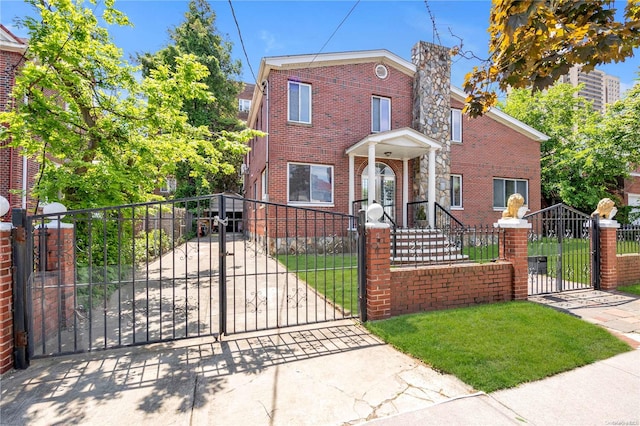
[{"x": 381, "y": 71}]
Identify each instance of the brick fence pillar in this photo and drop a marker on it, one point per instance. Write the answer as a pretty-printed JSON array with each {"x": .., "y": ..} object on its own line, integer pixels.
[
  {"x": 608, "y": 255},
  {"x": 378, "y": 265},
  {"x": 514, "y": 250},
  {"x": 6, "y": 299},
  {"x": 53, "y": 292}
]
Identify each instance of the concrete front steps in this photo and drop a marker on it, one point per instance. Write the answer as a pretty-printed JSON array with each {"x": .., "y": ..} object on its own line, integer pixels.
[{"x": 423, "y": 246}]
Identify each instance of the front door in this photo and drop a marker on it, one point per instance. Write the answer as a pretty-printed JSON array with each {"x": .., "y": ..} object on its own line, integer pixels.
[{"x": 385, "y": 187}]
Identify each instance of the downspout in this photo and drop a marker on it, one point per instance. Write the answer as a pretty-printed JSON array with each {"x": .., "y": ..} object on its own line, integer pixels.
[
  {"x": 25, "y": 172},
  {"x": 265, "y": 85},
  {"x": 9, "y": 193}
]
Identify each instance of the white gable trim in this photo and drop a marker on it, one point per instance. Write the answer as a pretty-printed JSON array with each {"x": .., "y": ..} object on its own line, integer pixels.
[
  {"x": 382, "y": 56},
  {"x": 400, "y": 144},
  {"x": 504, "y": 118},
  {"x": 9, "y": 42},
  {"x": 322, "y": 60}
]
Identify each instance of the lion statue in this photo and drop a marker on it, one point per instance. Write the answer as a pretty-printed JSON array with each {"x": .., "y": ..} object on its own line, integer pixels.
[
  {"x": 514, "y": 205},
  {"x": 606, "y": 209}
]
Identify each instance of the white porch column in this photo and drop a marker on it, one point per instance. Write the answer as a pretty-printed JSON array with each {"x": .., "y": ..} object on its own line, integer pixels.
[
  {"x": 352, "y": 182},
  {"x": 405, "y": 191},
  {"x": 371, "y": 190},
  {"x": 432, "y": 188}
]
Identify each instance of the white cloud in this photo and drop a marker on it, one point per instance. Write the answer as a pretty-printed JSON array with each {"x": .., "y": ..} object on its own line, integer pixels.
[{"x": 270, "y": 41}]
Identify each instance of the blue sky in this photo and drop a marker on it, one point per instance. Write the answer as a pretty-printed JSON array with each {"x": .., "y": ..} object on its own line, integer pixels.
[{"x": 274, "y": 28}]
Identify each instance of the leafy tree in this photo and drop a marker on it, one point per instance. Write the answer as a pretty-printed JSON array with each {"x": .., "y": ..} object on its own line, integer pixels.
[
  {"x": 533, "y": 43},
  {"x": 103, "y": 136},
  {"x": 621, "y": 128},
  {"x": 198, "y": 35},
  {"x": 585, "y": 156}
]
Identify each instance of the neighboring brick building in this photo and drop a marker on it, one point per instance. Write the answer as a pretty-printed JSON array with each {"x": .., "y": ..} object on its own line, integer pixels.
[
  {"x": 244, "y": 101},
  {"x": 632, "y": 195},
  {"x": 325, "y": 115},
  {"x": 16, "y": 172}
]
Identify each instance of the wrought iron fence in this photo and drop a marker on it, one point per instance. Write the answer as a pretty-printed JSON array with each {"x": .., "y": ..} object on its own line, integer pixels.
[
  {"x": 560, "y": 252},
  {"x": 152, "y": 272},
  {"x": 628, "y": 237},
  {"x": 119, "y": 276},
  {"x": 417, "y": 247}
]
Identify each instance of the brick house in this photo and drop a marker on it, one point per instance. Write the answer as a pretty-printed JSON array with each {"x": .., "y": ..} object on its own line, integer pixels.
[
  {"x": 369, "y": 125},
  {"x": 632, "y": 195},
  {"x": 244, "y": 101},
  {"x": 16, "y": 172}
]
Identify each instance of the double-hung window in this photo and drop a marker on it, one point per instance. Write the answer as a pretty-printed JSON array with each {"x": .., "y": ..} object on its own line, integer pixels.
[
  {"x": 504, "y": 188},
  {"x": 456, "y": 191},
  {"x": 244, "y": 105},
  {"x": 380, "y": 114},
  {"x": 310, "y": 184},
  {"x": 299, "y": 102},
  {"x": 456, "y": 125}
]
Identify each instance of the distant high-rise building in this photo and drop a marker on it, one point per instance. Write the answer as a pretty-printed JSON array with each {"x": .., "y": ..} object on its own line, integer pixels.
[{"x": 599, "y": 87}]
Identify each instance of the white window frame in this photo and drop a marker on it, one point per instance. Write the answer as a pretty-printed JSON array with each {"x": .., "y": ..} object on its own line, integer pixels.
[
  {"x": 456, "y": 206},
  {"x": 311, "y": 202},
  {"x": 244, "y": 105},
  {"x": 300, "y": 103},
  {"x": 169, "y": 186},
  {"x": 634, "y": 208},
  {"x": 380, "y": 129},
  {"x": 456, "y": 125},
  {"x": 506, "y": 196}
]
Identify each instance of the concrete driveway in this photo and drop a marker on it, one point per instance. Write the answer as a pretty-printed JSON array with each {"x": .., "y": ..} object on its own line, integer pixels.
[{"x": 326, "y": 374}]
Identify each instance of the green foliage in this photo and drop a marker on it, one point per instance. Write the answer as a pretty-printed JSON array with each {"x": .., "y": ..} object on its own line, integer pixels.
[
  {"x": 197, "y": 35},
  {"x": 499, "y": 346},
  {"x": 103, "y": 136},
  {"x": 150, "y": 245},
  {"x": 587, "y": 154},
  {"x": 533, "y": 43},
  {"x": 112, "y": 243},
  {"x": 633, "y": 289}
]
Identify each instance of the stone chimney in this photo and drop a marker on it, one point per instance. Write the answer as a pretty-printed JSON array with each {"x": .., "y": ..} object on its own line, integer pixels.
[{"x": 431, "y": 115}]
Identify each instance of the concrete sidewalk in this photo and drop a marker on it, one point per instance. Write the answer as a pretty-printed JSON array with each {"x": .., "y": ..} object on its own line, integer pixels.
[
  {"x": 331, "y": 374},
  {"x": 604, "y": 393},
  {"x": 326, "y": 374}
]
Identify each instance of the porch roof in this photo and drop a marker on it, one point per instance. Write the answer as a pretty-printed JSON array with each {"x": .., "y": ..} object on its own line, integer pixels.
[{"x": 398, "y": 144}]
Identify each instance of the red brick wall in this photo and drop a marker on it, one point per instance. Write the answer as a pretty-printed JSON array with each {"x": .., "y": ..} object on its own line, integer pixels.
[
  {"x": 608, "y": 259},
  {"x": 341, "y": 117},
  {"x": 431, "y": 288},
  {"x": 631, "y": 186},
  {"x": 6, "y": 303},
  {"x": 53, "y": 292},
  {"x": 490, "y": 149},
  {"x": 628, "y": 269},
  {"x": 11, "y": 167}
]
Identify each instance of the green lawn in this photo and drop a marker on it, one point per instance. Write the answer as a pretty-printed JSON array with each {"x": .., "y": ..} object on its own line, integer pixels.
[
  {"x": 334, "y": 276},
  {"x": 501, "y": 345},
  {"x": 633, "y": 289}
]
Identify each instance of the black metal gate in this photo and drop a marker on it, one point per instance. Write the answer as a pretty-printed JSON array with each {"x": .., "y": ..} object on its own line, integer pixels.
[
  {"x": 561, "y": 253},
  {"x": 154, "y": 272}
]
